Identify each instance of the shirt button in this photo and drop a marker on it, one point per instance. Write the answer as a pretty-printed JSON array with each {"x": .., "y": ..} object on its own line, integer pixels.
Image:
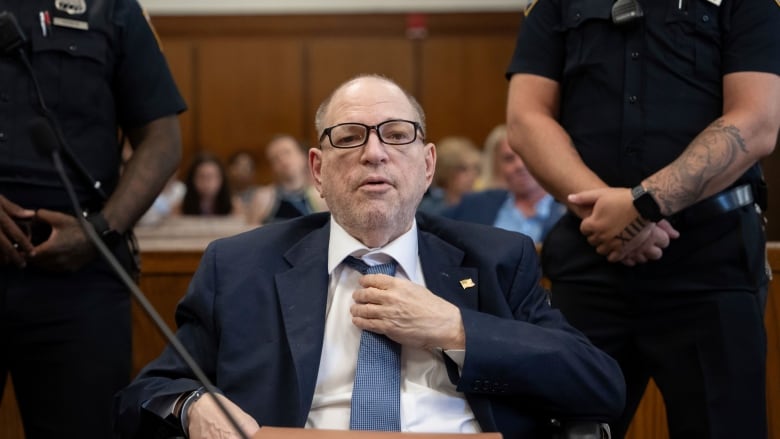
[
  {"x": 577, "y": 15},
  {"x": 705, "y": 18},
  {"x": 632, "y": 99},
  {"x": 634, "y": 55},
  {"x": 73, "y": 47},
  {"x": 2, "y": 136}
]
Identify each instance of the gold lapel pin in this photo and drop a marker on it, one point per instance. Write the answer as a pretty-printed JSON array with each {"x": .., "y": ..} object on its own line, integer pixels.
[{"x": 467, "y": 283}]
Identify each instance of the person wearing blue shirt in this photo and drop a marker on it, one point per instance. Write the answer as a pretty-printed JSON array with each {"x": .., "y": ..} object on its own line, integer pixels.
[{"x": 524, "y": 206}]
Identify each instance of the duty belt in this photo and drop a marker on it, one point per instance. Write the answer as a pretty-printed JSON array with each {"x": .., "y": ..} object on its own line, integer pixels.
[{"x": 707, "y": 209}]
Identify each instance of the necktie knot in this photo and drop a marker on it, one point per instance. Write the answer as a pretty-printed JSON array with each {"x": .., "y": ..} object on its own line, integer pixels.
[{"x": 363, "y": 268}]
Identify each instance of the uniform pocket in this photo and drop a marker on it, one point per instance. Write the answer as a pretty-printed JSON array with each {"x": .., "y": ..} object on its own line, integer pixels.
[
  {"x": 584, "y": 23},
  {"x": 70, "y": 66},
  {"x": 696, "y": 38}
]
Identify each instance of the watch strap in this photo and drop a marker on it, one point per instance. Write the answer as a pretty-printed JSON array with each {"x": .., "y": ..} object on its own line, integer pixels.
[
  {"x": 109, "y": 236},
  {"x": 188, "y": 401}
]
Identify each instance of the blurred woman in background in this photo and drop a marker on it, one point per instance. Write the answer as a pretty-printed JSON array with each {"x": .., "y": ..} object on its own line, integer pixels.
[
  {"x": 457, "y": 169},
  {"x": 208, "y": 191}
]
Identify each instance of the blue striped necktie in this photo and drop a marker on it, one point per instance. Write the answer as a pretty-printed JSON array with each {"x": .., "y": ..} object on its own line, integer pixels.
[{"x": 376, "y": 395}]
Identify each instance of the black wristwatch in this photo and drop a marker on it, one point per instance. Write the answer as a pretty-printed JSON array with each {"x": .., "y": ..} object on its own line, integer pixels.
[
  {"x": 645, "y": 204},
  {"x": 109, "y": 236}
]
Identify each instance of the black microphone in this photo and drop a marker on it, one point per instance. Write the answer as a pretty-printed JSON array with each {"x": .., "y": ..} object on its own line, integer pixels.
[
  {"x": 11, "y": 34},
  {"x": 46, "y": 141}
]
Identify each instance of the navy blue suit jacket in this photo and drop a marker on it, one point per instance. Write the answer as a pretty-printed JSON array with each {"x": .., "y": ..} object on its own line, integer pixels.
[{"x": 254, "y": 318}]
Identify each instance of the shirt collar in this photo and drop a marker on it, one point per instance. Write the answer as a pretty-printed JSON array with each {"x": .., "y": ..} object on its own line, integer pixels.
[
  {"x": 542, "y": 208},
  {"x": 403, "y": 249}
]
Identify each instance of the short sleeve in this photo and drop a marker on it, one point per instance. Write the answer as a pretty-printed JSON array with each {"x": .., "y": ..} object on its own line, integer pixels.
[
  {"x": 144, "y": 86},
  {"x": 540, "y": 48},
  {"x": 752, "y": 40}
]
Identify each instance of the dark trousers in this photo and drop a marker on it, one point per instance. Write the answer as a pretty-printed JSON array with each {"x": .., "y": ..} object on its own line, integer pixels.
[
  {"x": 65, "y": 339},
  {"x": 707, "y": 355},
  {"x": 694, "y": 323}
]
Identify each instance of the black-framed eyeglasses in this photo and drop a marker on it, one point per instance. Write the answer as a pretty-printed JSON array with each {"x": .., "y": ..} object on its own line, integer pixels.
[{"x": 390, "y": 132}]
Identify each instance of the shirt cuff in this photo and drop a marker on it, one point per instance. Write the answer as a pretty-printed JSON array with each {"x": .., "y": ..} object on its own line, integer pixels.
[
  {"x": 456, "y": 355},
  {"x": 162, "y": 406}
]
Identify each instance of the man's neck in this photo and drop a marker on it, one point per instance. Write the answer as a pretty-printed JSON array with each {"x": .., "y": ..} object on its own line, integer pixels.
[
  {"x": 375, "y": 237},
  {"x": 526, "y": 202}
]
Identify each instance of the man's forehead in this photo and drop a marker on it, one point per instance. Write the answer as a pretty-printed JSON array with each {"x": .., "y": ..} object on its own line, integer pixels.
[{"x": 370, "y": 97}]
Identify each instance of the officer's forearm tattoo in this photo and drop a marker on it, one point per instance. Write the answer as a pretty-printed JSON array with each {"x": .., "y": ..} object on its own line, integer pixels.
[
  {"x": 708, "y": 155},
  {"x": 632, "y": 229}
]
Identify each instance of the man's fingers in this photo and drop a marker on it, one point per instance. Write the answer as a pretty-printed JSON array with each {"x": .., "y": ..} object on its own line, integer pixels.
[
  {"x": 667, "y": 227},
  {"x": 15, "y": 210},
  {"x": 585, "y": 198},
  {"x": 12, "y": 252},
  {"x": 366, "y": 310},
  {"x": 379, "y": 281}
]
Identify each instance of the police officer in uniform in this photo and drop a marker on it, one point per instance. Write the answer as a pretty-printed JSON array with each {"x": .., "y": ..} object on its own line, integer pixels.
[
  {"x": 648, "y": 118},
  {"x": 64, "y": 315}
]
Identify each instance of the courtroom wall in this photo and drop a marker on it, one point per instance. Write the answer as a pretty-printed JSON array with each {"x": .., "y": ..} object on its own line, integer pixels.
[{"x": 249, "y": 77}]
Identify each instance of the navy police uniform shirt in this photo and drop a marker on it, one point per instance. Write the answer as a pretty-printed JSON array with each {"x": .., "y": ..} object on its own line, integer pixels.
[
  {"x": 632, "y": 99},
  {"x": 656, "y": 84},
  {"x": 100, "y": 69}
]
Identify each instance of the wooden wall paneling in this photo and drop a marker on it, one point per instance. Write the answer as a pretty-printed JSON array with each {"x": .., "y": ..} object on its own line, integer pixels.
[
  {"x": 771, "y": 167},
  {"x": 10, "y": 420},
  {"x": 167, "y": 283},
  {"x": 331, "y": 61},
  {"x": 463, "y": 89},
  {"x": 650, "y": 419},
  {"x": 248, "y": 89},
  {"x": 772, "y": 323},
  {"x": 180, "y": 54}
]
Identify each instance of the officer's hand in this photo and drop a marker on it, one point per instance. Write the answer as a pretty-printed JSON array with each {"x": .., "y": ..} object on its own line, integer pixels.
[
  {"x": 613, "y": 212},
  {"x": 15, "y": 243},
  {"x": 206, "y": 420},
  {"x": 647, "y": 247},
  {"x": 67, "y": 248},
  {"x": 408, "y": 313}
]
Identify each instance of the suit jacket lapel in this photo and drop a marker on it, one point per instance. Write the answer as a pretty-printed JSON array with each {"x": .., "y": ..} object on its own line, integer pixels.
[
  {"x": 303, "y": 293},
  {"x": 444, "y": 275}
]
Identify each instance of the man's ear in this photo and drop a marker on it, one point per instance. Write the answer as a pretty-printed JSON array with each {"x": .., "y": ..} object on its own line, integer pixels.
[
  {"x": 315, "y": 167},
  {"x": 430, "y": 162}
]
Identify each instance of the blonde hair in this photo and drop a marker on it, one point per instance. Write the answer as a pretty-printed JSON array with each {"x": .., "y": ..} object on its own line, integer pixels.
[
  {"x": 451, "y": 153},
  {"x": 488, "y": 177}
]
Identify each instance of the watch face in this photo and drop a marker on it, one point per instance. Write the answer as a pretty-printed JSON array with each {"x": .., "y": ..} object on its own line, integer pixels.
[{"x": 645, "y": 204}]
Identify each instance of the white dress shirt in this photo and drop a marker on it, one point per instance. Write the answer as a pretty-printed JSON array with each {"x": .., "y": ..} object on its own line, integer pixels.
[{"x": 429, "y": 401}]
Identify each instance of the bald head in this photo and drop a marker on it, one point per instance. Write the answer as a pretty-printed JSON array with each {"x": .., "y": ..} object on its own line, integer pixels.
[{"x": 357, "y": 85}]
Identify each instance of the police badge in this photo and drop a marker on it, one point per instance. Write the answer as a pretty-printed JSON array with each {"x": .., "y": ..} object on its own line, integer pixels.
[{"x": 71, "y": 7}]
